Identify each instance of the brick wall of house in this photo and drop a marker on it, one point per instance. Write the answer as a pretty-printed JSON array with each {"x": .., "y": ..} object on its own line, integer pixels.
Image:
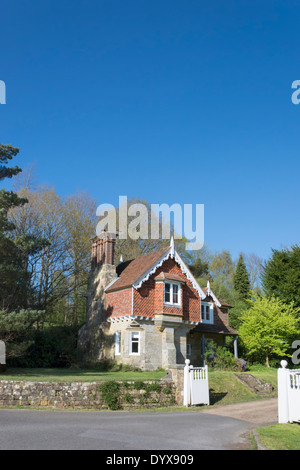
[
  {"x": 221, "y": 316},
  {"x": 149, "y": 299},
  {"x": 119, "y": 303}
]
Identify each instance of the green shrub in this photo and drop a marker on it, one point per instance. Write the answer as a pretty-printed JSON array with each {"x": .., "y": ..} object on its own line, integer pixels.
[
  {"x": 221, "y": 358},
  {"x": 51, "y": 347},
  {"x": 139, "y": 385},
  {"x": 153, "y": 388},
  {"x": 128, "y": 398},
  {"x": 110, "y": 394}
]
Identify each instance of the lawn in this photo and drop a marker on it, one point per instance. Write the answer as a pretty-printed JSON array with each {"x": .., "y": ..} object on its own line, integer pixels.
[
  {"x": 78, "y": 375},
  {"x": 280, "y": 436},
  {"x": 224, "y": 387}
]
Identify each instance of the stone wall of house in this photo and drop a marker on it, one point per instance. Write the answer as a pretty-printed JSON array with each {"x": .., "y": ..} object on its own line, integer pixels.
[
  {"x": 92, "y": 336},
  {"x": 159, "y": 347},
  {"x": 79, "y": 395}
]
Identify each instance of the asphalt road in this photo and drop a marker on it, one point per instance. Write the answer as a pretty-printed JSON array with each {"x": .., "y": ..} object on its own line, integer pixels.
[{"x": 92, "y": 430}]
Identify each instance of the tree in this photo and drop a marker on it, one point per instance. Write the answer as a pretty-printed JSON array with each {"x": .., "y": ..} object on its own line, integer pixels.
[
  {"x": 16, "y": 317},
  {"x": 140, "y": 224},
  {"x": 58, "y": 272},
  {"x": 281, "y": 275},
  {"x": 241, "y": 281},
  {"x": 221, "y": 269},
  {"x": 254, "y": 265},
  {"x": 199, "y": 262},
  {"x": 13, "y": 276},
  {"x": 268, "y": 328}
]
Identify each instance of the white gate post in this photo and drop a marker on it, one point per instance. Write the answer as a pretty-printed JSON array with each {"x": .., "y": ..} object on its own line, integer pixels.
[
  {"x": 2, "y": 353},
  {"x": 186, "y": 384},
  {"x": 283, "y": 399}
]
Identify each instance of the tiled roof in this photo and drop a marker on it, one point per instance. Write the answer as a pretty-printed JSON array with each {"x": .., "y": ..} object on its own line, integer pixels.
[
  {"x": 130, "y": 272},
  {"x": 169, "y": 276},
  {"x": 220, "y": 329},
  {"x": 223, "y": 304}
]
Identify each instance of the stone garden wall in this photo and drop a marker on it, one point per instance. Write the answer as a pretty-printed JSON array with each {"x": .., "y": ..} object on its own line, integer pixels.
[{"x": 94, "y": 395}]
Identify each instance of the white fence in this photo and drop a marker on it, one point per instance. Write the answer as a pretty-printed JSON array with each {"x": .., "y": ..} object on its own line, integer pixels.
[
  {"x": 196, "y": 390},
  {"x": 288, "y": 394}
]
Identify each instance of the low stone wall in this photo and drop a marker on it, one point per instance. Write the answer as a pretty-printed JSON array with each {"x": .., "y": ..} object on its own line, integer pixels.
[{"x": 86, "y": 395}]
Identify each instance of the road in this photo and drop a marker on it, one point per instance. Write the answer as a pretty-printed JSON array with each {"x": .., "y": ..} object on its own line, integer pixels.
[{"x": 93, "y": 430}]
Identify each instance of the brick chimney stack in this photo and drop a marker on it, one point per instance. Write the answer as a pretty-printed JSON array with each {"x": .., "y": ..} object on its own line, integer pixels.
[{"x": 103, "y": 249}]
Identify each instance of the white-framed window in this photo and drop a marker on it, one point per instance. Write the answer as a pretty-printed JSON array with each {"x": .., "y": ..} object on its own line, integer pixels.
[
  {"x": 172, "y": 294},
  {"x": 207, "y": 312},
  {"x": 135, "y": 343},
  {"x": 188, "y": 350},
  {"x": 117, "y": 343}
]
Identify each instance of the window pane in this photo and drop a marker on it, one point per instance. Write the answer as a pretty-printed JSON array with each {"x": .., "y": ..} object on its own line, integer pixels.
[
  {"x": 207, "y": 312},
  {"x": 118, "y": 342},
  {"x": 168, "y": 293},
  {"x": 135, "y": 341},
  {"x": 175, "y": 294}
]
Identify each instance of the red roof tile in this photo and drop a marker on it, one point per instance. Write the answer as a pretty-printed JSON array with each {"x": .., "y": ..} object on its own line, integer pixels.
[
  {"x": 223, "y": 304},
  {"x": 136, "y": 269}
]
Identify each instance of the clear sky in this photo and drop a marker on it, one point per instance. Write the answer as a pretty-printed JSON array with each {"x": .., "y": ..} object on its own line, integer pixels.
[{"x": 171, "y": 101}]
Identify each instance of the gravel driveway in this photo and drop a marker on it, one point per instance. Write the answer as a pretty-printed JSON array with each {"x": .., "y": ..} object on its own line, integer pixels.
[{"x": 260, "y": 413}]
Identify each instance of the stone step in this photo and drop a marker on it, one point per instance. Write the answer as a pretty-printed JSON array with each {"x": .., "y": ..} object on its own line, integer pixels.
[{"x": 256, "y": 385}]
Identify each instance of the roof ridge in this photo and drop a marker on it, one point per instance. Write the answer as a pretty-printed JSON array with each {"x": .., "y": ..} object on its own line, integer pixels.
[{"x": 141, "y": 269}]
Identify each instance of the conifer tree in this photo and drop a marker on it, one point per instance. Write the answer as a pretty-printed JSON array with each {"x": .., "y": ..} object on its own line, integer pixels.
[
  {"x": 241, "y": 281},
  {"x": 14, "y": 292}
]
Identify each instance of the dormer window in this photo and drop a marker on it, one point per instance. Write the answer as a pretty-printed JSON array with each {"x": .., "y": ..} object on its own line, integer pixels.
[
  {"x": 207, "y": 312},
  {"x": 173, "y": 294}
]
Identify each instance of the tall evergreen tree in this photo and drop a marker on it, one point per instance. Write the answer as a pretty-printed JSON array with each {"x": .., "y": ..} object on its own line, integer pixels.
[
  {"x": 241, "y": 281},
  {"x": 14, "y": 292},
  {"x": 10, "y": 266},
  {"x": 281, "y": 275}
]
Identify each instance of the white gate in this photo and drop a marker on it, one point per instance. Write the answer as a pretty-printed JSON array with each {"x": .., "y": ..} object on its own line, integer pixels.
[
  {"x": 196, "y": 390},
  {"x": 288, "y": 394}
]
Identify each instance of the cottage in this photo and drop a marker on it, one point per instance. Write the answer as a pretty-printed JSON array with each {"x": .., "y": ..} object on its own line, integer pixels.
[{"x": 149, "y": 312}]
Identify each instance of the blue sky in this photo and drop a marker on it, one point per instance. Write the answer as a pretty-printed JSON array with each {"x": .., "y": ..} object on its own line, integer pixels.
[{"x": 171, "y": 101}]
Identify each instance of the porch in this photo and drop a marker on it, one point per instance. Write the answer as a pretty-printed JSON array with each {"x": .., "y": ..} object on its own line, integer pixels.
[{"x": 198, "y": 337}]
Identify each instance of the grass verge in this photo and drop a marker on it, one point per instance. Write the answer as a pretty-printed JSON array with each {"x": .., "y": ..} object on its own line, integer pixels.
[
  {"x": 280, "y": 436},
  {"x": 78, "y": 375}
]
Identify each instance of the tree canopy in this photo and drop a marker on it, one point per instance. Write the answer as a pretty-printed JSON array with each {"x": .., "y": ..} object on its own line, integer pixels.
[
  {"x": 268, "y": 328},
  {"x": 281, "y": 275}
]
